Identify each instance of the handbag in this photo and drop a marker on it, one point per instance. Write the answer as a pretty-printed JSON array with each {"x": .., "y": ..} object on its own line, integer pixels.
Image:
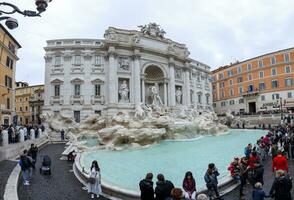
[{"x": 92, "y": 180}]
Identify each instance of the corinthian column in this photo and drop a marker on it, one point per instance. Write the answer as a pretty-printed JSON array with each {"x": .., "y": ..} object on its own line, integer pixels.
[
  {"x": 112, "y": 77},
  {"x": 187, "y": 86},
  {"x": 172, "y": 90},
  {"x": 136, "y": 76}
]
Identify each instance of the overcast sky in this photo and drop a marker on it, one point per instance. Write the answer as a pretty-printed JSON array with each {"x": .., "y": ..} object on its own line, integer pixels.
[{"x": 216, "y": 32}]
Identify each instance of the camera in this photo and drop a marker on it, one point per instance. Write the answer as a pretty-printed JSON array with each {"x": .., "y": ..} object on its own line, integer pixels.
[{"x": 11, "y": 23}]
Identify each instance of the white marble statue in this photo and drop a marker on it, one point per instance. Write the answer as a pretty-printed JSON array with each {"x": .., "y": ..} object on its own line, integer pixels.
[
  {"x": 139, "y": 112},
  {"x": 124, "y": 92},
  {"x": 179, "y": 96},
  {"x": 156, "y": 100}
]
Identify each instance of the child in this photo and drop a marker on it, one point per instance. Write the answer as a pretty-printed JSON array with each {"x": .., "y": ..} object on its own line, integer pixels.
[{"x": 258, "y": 193}]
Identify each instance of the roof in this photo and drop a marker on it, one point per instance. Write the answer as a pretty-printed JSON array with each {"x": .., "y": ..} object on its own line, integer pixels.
[
  {"x": 237, "y": 63},
  {"x": 7, "y": 32}
]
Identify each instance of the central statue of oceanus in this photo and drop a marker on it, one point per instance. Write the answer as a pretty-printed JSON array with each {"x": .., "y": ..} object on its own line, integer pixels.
[{"x": 156, "y": 100}]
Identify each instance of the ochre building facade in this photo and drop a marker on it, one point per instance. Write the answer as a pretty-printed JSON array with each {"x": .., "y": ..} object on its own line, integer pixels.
[{"x": 263, "y": 83}]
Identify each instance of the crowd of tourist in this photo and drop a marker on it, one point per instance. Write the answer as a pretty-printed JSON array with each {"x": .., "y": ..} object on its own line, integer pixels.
[
  {"x": 14, "y": 132},
  {"x": 277, "y": 145}
]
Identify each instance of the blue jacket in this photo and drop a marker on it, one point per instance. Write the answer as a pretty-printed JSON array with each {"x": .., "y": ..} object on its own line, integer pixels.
[{"x": 258, "y": 194}]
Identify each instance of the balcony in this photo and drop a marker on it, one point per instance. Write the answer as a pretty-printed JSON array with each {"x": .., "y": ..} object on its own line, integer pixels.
[
  {"x": 77, "y": 69},
  {"x": 56, "y": 100},
  {"x": 97, "y": 69},
  {"x": 36, "y": 98},
  {"x": 252, "y": 93},
  {"x": 97, "y": 99},
  {"x": 76, "y": 99}
]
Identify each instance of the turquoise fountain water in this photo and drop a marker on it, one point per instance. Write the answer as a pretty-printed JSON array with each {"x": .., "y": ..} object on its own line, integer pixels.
[{"x": 172, "y": 158}]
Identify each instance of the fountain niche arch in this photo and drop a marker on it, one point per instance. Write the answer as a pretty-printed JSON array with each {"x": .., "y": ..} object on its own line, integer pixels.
[{"x": 154, "y": 75}]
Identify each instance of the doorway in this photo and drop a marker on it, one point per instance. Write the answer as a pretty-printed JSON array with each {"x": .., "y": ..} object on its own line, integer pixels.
[{"x": 252, "y": 107}]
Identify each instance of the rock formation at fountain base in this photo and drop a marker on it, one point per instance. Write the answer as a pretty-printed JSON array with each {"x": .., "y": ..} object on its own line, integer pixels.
[{"x": 145, "y": 127}]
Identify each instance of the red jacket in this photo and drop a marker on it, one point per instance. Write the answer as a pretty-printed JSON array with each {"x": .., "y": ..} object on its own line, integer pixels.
[
  {"x": 280, "y": 163},
  {"x": 251, "y": 161}
]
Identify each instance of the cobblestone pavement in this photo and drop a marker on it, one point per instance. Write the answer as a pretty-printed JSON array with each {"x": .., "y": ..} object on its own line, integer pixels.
[
  {"x": 6, "y": 167},
  {"x": 61, "y": 185},
  {"x": 268, "y": 180}
]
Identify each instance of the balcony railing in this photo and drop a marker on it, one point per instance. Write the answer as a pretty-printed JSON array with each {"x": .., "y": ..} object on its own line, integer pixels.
[
  {"x": 56, "y": 100},
  {"x": 251, "y": 93},
  {"x": 76, "y": 99},
  {"x": 97, "y": 99}
]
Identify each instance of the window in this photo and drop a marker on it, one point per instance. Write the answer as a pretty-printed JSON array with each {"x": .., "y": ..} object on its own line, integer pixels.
[
  {"x": 261, "y": 74},
  {"x": 241, "y": 101},
  {"x": 260, "y": 63},
  {"x": 20, "y": 109},
  {"x": 57, "y": 60},
  {"x": 274, "y": 71},
  {"x": 8, "y": 81},
  {"x": 231, "y": 81},
  {"x": 77, "y": 116},
  {"x": 262, "y": 98},
  {"x": 9, "y": 62},
  {"x": 230, "y": 73},
  {"x": 273, "y": 60},
  {"x": 222, "y": 94},
  {"x": 223, "y": 103},
  {"x": 287, "y": 57},
  {"x": 289, "y": 95},
  {"x": 288, "y": 82},
  {"x": 249, "y": 77},
  {"x": 239, "y": 69},
  {"x": 207, "y": 99},
  {"x": 275, "y": 96},
  {"x": 97, "y": 90},
  {"x": 222, "y": 85},
  {"x": 231, "y": 92},
  {"x": 221, "y": 76},
  {"x": 240, "y": 89},
  {"x": 199, "y": 98},
  {"x": 97, "y": 60},
  {"x": 11, "y": 47},
  {"x": 287, "y": 69},
  {"x": 78, "y": 60},
  {"x": 250, "y": 88},
  {"x": 97, "y": 112},
  {"x": 239, "y": 80},
  {"x": 249, "y": 67},
  {"x": 56, "y": 90},
  {"x": 261, "y": 86},
  {"x": 275, "y": 83},
  {"x": 77, "y": 42},
  {"x": 232, "y": 102},
  {"x": 8, "y": 103},
  {"x": 77, "y": 89},
  {"x": 26, "y": 108}
]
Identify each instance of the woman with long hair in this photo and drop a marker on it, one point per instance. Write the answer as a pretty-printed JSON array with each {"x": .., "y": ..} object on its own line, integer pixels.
[
  {"x": 189, "y": 186},
  {"x": 94, "y": 186}
]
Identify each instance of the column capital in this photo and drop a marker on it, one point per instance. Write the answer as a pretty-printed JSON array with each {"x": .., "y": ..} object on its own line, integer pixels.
[{"x": 171, "y": 61}]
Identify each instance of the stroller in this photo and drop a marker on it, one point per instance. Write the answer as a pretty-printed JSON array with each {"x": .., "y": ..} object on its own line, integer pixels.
[{"x": 46, "y": 165}]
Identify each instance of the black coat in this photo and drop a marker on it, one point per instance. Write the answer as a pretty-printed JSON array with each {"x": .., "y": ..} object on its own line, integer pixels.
[
  {"x": 147, "y": 191},
  {"x": 163, "y": 190},
  {"x": 257, "y": 175},
  {"x": 281, "y": 189}
]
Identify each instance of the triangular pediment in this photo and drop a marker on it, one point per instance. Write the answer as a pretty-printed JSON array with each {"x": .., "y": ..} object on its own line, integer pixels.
[
  {"x": 57, "y": 81},
  {"x": 97, "y": 81},
  {"x": 77, "y": 80}
]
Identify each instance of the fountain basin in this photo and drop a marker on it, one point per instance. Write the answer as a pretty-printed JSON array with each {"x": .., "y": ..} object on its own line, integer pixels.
[{"x": 124, "y": 169}]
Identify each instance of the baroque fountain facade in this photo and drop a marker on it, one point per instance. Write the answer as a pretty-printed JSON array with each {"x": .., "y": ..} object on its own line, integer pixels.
[{"x": 133, "y": 87}]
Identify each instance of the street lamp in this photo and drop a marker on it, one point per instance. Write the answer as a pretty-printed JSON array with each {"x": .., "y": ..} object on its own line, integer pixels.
[
  {"x": 281, "y": 107},
  {"x": 12, "y": 23}
]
